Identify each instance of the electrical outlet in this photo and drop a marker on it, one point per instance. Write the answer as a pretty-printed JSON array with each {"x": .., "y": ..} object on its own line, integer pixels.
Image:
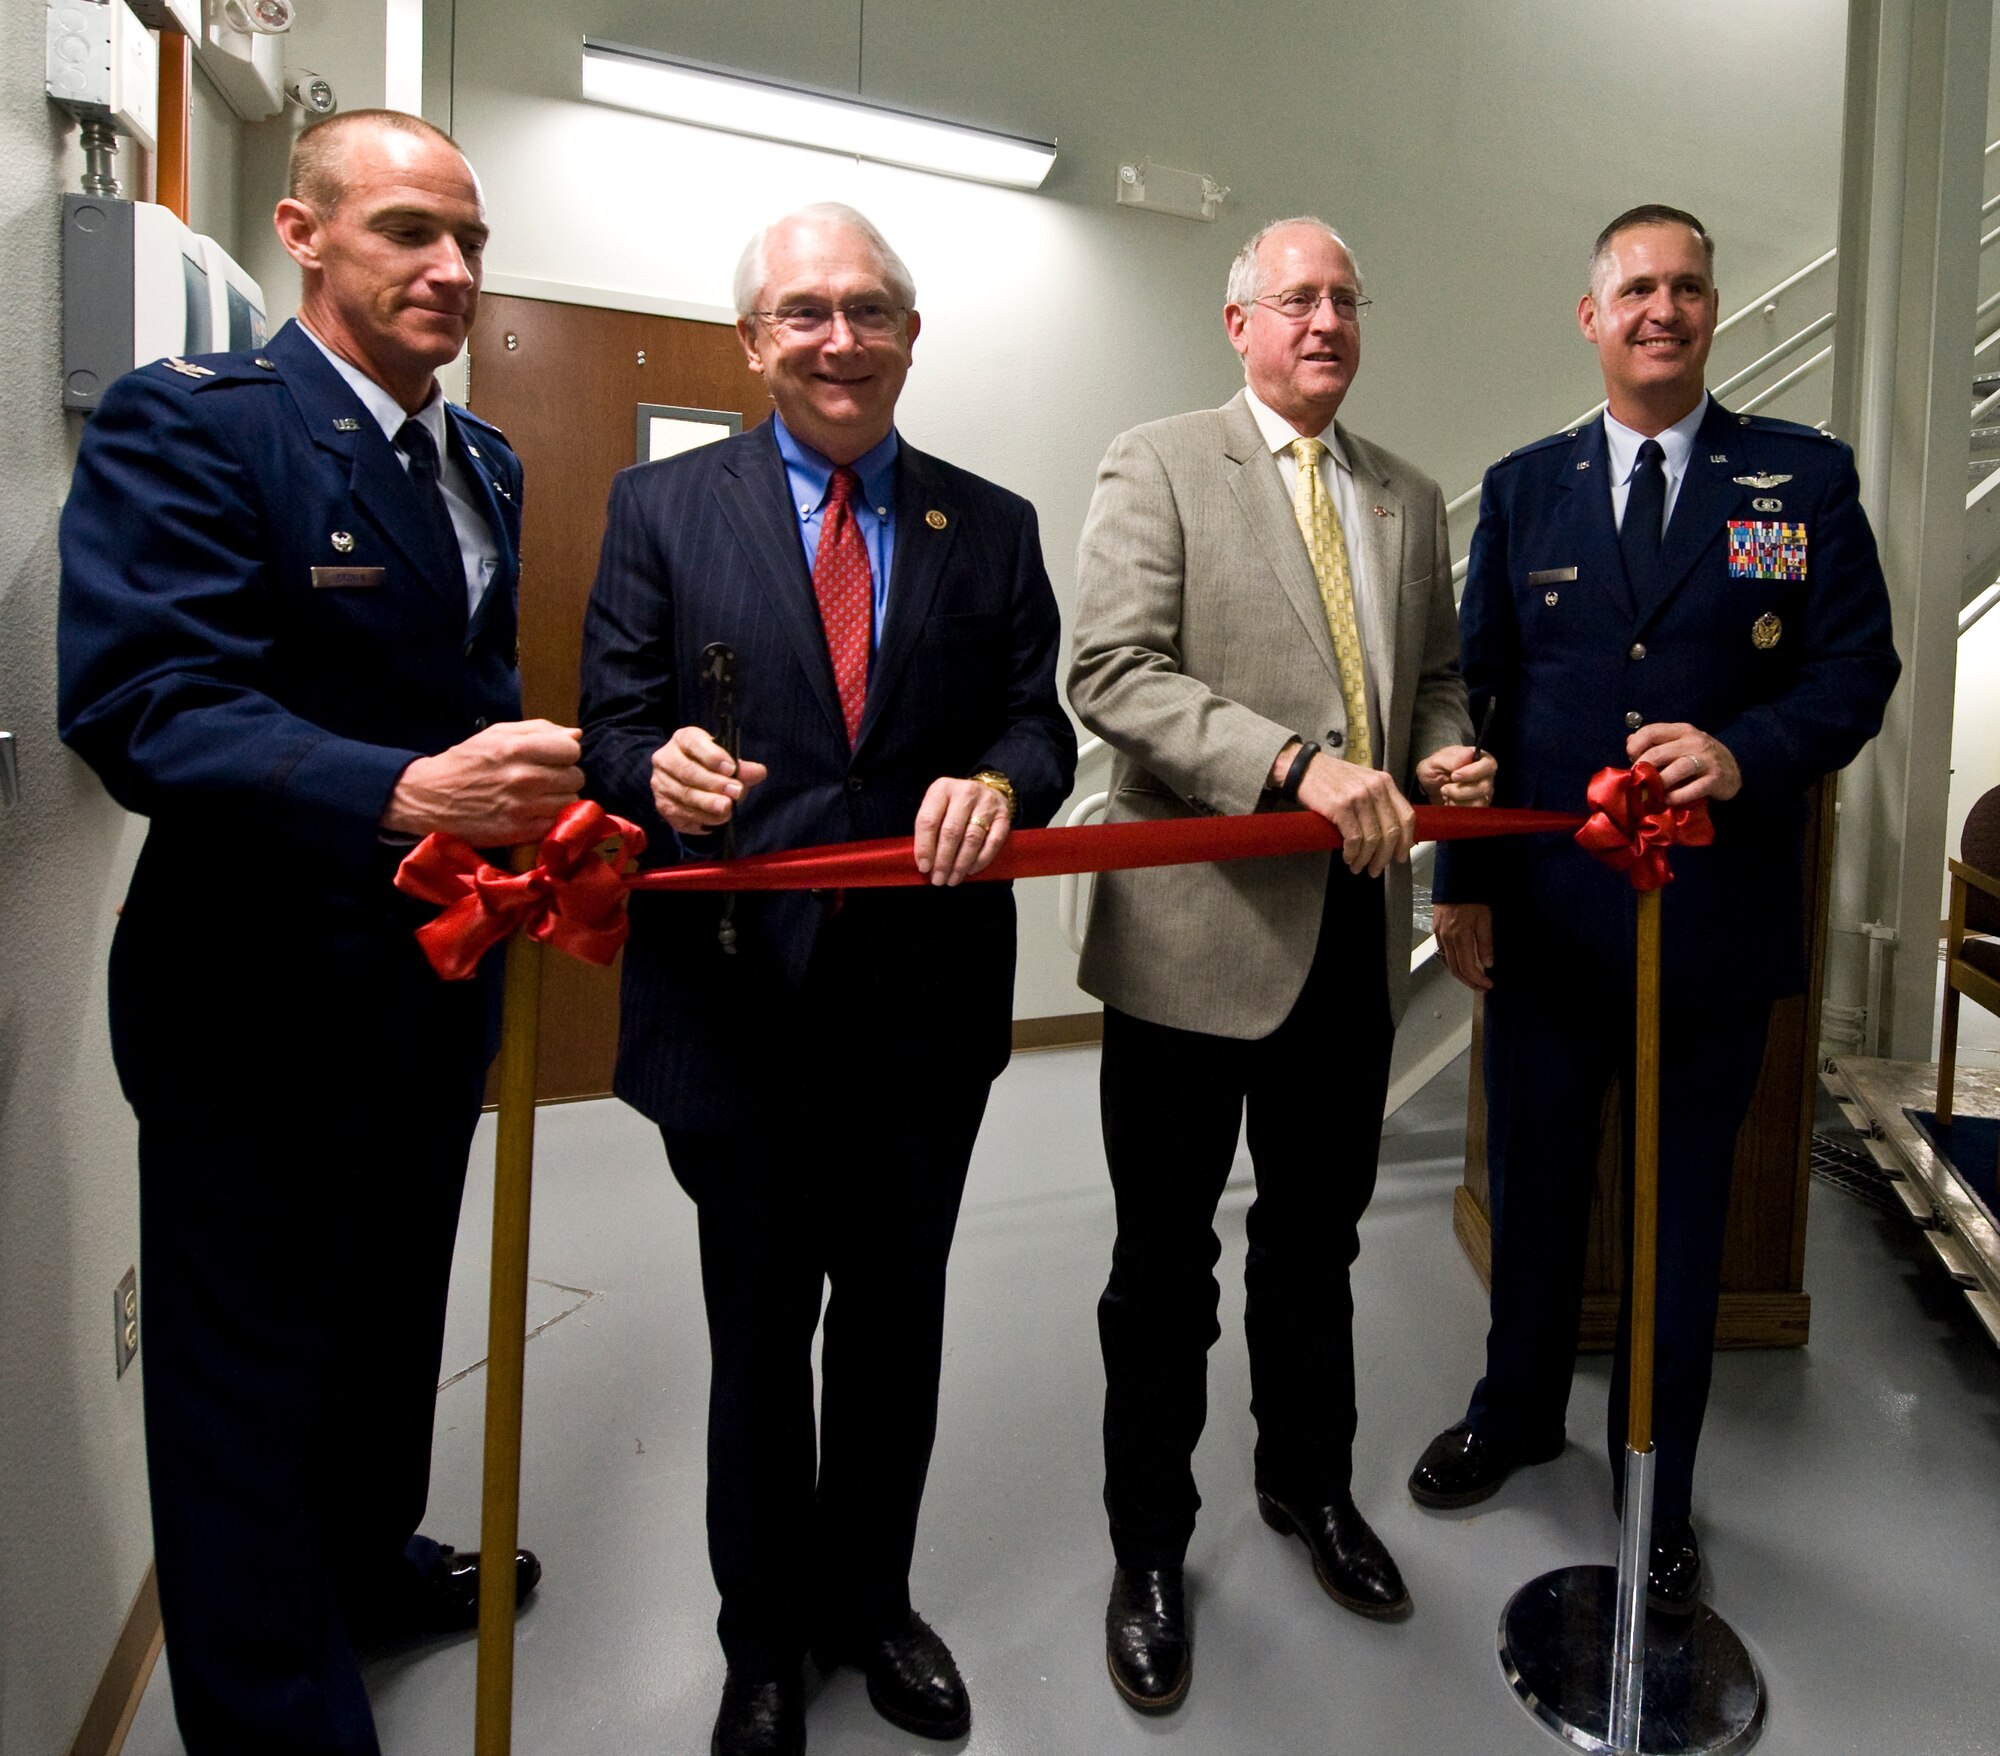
[{"x": 125, "y": 1319}]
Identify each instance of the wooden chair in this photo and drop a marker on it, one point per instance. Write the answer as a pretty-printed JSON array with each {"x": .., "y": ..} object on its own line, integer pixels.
[{"x": 1971, "y": 962}]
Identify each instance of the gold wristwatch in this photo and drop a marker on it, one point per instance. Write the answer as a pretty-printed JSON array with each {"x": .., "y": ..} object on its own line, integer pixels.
[{"x": 992, "y": 777}]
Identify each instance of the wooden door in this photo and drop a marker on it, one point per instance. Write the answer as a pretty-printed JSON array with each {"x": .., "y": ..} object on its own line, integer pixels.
[
  {"x": 1764, "y": 1301},
  {"x": 564, "y": 383}
]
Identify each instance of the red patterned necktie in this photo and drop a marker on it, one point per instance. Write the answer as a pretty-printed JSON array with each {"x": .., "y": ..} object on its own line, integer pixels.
[{"x": 845, "y": 586}]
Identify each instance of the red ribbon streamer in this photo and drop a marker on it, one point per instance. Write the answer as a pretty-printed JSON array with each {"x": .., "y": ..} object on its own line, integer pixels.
[
  {"x": 1631, "y": 825},
  {"x": 572, "y": 898},
  {"x": 1095, "y": 847}
]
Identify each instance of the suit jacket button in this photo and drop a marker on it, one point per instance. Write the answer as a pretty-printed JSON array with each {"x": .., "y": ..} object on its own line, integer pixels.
[
  {"x": 1633, "y": 721},
  {"x": 479, "y": 725},
  {"x": 854, "y": 783},
  {"x": 1638, "y": 650},
  {"x": 1334, "y": 740}
]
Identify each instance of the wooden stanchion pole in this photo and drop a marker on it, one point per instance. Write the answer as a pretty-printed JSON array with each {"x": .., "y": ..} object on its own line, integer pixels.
[{"x": 506, "y": 1340}]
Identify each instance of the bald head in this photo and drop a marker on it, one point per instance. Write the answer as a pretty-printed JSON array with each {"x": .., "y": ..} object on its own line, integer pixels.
[{"x": 318, "y": 174}]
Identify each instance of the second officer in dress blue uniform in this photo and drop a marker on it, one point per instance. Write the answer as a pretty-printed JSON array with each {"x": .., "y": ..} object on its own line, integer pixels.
[{"x": 1700, "y": 590}]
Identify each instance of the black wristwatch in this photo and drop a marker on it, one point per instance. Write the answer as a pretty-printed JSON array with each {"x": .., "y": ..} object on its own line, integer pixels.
[{"x": 1295, "y": 775}]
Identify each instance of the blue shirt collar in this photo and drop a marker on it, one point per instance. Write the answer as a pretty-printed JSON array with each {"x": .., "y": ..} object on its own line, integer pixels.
[{"x": 810, "y": 473}]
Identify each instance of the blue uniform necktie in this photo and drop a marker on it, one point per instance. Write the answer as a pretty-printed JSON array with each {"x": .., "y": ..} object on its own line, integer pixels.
[
  {"x": 1645, "y": 517},
  {"x": 414, "y": 440}
]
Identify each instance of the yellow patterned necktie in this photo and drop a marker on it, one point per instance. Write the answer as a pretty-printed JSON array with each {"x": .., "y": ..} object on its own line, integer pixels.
[{"x": 1319, "y": 524}]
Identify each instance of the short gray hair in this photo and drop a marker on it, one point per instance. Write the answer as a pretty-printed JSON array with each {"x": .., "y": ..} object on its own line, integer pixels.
[
  {"x": 1246, "y": 273},
  {"x": 751, "y": 270}
]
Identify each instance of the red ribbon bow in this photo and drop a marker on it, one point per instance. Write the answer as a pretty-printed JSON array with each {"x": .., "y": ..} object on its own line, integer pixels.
[
  {"x": 573, "y": 897},
  {"x": 1631, "y": 824}
]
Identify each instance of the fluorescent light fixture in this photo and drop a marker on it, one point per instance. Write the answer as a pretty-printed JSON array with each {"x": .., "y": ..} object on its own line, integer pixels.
[{"x": 709, "y": 97}]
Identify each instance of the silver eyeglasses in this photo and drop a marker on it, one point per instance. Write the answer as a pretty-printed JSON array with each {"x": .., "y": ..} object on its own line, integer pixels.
[
  {"x": 1301, "y": 304},
  {"x": 873, "y": 318}
]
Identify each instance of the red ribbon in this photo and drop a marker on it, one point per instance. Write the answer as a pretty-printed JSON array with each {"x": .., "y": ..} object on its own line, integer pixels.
[
  {"x": 1631, "y": 824},
  {"x": 1096, "y": 847},
  {"x": 573, "y": 897}
]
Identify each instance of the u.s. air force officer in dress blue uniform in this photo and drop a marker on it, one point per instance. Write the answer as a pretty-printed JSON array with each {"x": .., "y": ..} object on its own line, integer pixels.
[
  {"x": 819, "y": 1090},
  {"x": 1700, "y": 590},
  {"x": 290, "y": 645}
]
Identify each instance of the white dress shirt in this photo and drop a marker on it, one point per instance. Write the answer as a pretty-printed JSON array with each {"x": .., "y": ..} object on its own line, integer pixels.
[
  {"x": 1337, "y": 478},
  {"x": 1623, "y": 444},
  {"x": 477, "y": 547}
]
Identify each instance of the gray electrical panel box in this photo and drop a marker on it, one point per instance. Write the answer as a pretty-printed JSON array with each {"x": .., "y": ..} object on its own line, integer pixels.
[{"x": 138, "y": 286}]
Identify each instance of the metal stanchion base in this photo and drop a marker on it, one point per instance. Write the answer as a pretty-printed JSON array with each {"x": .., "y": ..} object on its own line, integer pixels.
[{"x": 1701, "y": 1693}]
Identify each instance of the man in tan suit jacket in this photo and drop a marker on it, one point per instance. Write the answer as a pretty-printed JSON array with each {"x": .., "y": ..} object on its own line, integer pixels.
[{"x": 1232, "y": 560}]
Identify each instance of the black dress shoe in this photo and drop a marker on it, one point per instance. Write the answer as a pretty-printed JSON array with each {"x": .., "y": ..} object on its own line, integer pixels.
[
  {"x": 912, "y": 1679},
  {"x": 1461, "y": 1468},
  {"x": 759, "y": 1719},
  {"x": 1348, "y": 1558},
  {"x": 1146, "y": 1644},
  {"x": 444, "y": 1602},
  {"x": 1673, "y": 1574}
]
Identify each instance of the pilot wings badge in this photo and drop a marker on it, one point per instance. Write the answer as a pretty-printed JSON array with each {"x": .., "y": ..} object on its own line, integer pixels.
[{"x": 1760, "y": 481}]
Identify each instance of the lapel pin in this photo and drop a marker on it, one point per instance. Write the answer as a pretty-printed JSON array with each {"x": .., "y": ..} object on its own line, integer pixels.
[
  {"x": 187, "y": 368},
  {"x": 935, "y": 519},
  {"x": 1380, "y": 511},
  {"x": 1760, "y": 481},
  {"x": 472, "y": 451},
  {"x": 343, "y": 541},
  {"x": 346, "y": 424}
]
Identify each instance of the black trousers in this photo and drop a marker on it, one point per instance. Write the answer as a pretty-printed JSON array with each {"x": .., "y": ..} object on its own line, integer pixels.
[
  {"x": 1553, "y": 1047},
  {"x": 295, "y": 1270},
  {"x": 1173, "y": 1102},
  {"x": 845, "y": 1186}
]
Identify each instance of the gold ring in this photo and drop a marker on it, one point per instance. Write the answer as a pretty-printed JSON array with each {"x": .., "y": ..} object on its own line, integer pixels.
[{"x": 980, "y": 824}]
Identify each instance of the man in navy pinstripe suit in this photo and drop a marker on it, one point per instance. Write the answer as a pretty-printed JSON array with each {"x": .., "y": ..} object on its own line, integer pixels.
[{"x": 820, "y": 1086}]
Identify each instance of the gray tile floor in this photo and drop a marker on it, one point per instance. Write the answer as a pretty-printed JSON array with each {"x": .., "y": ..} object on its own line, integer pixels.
[{"x": 1847, "y": 1497}]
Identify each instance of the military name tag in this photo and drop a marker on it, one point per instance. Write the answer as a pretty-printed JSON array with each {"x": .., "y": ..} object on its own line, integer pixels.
[
  {"x": 347, "y": 578},
  {"x": 1552, "y": 576},
  {"x": 1758, "y": 550}
]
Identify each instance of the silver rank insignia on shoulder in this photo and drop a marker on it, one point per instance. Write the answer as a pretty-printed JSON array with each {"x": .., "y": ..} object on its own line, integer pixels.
[
  {"x": 187, "y": 368},
  {"x": 1760, "y": 481},
  {"x": 346, "y": 424}
]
